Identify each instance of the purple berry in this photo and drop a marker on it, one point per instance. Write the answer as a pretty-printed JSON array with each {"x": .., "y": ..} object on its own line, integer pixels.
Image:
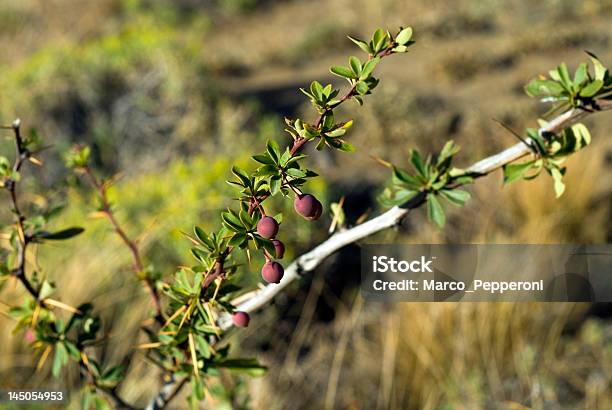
[
  {"x": 305, "y": 205},
  {"x": 267, "y": 227},
  {"x": 279, "y": 249},
  {"x": 272, "y": 272},
  {"x": 241, "y": 319},
  {"x": 317, "y": 213}
]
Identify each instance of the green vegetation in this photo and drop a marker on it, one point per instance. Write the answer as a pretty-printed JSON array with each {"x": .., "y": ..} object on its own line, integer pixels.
[{"x": 170, "y": 94}]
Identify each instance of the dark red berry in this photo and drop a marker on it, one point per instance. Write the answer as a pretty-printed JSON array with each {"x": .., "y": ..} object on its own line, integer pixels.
[
  {"x": 279, "y": 249},
  {"x": 241, "y": 319},
  {"x": 272, "y": 272},
  {"x": 267, "y": 227},
  {"x": 317, "y": 213},
  {"x": 305, "y": 205}
]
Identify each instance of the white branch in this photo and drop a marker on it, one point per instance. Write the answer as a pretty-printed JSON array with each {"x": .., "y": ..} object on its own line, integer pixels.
[
  {"x": 254, "y": 300},
  {"x": 390, "y": 218}
]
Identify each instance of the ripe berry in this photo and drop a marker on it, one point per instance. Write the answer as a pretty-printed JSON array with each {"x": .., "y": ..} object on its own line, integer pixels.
[
  {"x": 267, "y": 227},
  {"x": 241, "y": 319},
  {"x": 317, "y": 213},
  {"x": 279, "y": 249},
  {"x": 305, "y": 205},
  {"x": 272, "y": 272}
]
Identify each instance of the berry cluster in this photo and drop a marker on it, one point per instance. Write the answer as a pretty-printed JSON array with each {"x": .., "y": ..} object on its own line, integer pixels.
[{"x": 306, "y": 205}]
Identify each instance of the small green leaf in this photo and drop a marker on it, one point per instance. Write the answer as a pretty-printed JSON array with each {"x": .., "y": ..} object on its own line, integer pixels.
[
  {"x": 61, "y": 235},
  {"x": 591, "y": 88},
  {"x": 60, "y": 359},
  {"x": 512, "y": 172},
  {"x": 456, "y": 196},
  {"x": 355, "y": 65},
  {"x": 379, "y": 40},
  {"x": 435, "y": 212},
  {"x": 558, "y": 181},
  {"x": 600, "y": 70},
  {"x": 275, "y": 183},
  {"x": 369, "y": 67},
  {"x": 564, "y": 76},
  {"x": 317, "y": 90},
  {"x": 580, "y": 75},
  {"x": 346, "y": 147},
  {"x": 197, "y": 388},
  {"x": 362, "y": 88},
  {"x": 361, "y": 44},
  {"x": 263, "y": 159},
  {"x": 273, "y": 150},
  {"x": 296, "y": 173},
  {"x": 342, "y": 71},
  {"x": 249, "y": 366},
  {"x": 404, "y": 36},
  {"x": 266, "y": 170},
  {"x": 417, "y": 162}
]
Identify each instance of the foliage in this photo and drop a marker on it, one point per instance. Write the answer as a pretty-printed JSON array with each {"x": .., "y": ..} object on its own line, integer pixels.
[
  {"x": 184, "y": 337},
  {"x": 435, "y": 178}
]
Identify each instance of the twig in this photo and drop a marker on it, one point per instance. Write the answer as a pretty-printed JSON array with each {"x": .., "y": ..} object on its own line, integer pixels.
[
  {"x": 138, "y": 266},
  {"x": 23, "y": 154}
]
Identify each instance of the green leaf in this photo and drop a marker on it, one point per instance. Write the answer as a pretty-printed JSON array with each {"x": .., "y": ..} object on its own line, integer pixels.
[
  {"x": 263, "y": 159},
  {"x": 273, "y": 150},
  {"x": 232, "y": 221},
  {"x": 591, "y": 88},
  {"x": 400, "y": 175},
  {"x": 296, "y": 173},
  {"x": 435, "y": 212},
  {"x": 379, "y": 40},
  {"x": 361, "y": 44},
  {"x": 355, "y": 65},
  {"x": 362, "y": 88},
  {"x": 402, "y": 196},
  {"x": 275, "y": 183},
  {"x": 600, "y": 70},
  {"x": 582, "y": 134},
  {"x": 346, "y": 147},
  {"x": 238, "y": 239},
  {"x": 266, "y": 170},
  {"x": 512, "y": 172},
  {"x": 404, "y": 36},
  {"x": 369, "y": 67},
  {"x": 342, "y": 71},
  {"x": 317, "y": 90},
  {"x": 580, "y": 75},
  {"x": 564, "y": 76},
  {"x": 417, "y": 162},
  {"x": 242, "y": 175},
  {"x": 60, "y": 359},
  {"x": 197, "y": 388},
  {"x": 537, "y": 88},
  {"x": 558, "y": 181},
  {"x": 456, "y": 196},
  {"x": 61, "y": 235},
  {"x": 249, "y": 366}
]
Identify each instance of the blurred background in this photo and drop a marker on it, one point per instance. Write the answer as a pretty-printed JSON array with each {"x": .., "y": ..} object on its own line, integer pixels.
[{"x": 170, "y": 93}]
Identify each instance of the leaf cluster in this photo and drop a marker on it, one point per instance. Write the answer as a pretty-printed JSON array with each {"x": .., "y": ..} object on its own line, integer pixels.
[
  {"x": 565, "y": 91},
  {"x": 432, "y": 178}
]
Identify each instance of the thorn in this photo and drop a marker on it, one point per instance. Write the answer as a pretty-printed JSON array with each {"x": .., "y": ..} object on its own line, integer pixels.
[
  {"x": 514, "y": 133},
  {"x": 381, "y": 161}
]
